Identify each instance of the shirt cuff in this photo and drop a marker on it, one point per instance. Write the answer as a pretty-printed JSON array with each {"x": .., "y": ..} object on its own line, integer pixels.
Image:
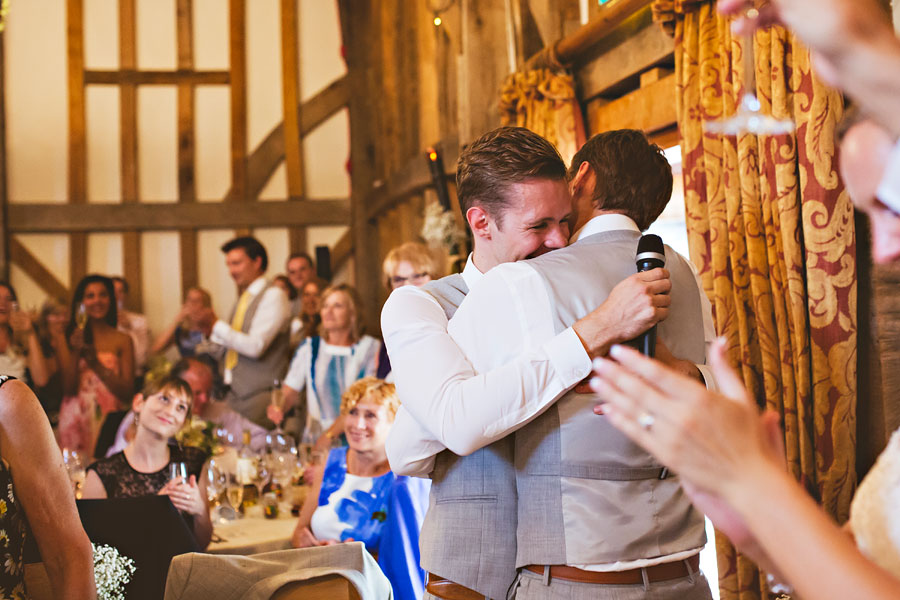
[
  {"x": 219, "y": 332},
  {"x": 708, "y": 378},
  {"x": 569, "y": 358}
]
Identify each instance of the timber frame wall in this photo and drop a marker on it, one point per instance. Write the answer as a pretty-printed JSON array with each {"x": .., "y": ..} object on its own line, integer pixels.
[{"x": 250, "y": 170}]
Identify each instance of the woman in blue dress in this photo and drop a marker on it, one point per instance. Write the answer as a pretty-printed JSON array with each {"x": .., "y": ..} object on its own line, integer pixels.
[{"x": 356, "y": 497}]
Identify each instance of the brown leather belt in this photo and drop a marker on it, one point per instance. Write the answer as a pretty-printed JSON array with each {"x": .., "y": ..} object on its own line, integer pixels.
[
  {"x": 449, "y": 590},
  {"x": 663, "y": 572}
]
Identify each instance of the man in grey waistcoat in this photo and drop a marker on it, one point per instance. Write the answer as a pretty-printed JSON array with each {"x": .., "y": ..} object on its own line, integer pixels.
[
  {"x": 253, "y": 343},
  {"x": 512, "y": 191},
  {"x": 597, "y": 516}
]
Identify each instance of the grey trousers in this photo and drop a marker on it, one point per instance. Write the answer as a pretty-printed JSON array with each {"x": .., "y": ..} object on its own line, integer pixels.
[{"x": 530, "y": 586}]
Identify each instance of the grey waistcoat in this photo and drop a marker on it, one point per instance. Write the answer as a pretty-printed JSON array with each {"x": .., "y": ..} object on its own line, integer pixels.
[
  {"x": 469, "y": 530},
  {"x": 587, "y": 494},
  {"x": 252, "y": 378}
]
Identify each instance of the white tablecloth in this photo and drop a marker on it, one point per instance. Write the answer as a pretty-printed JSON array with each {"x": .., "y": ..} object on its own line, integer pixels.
[{"x": 254, "y": 533}]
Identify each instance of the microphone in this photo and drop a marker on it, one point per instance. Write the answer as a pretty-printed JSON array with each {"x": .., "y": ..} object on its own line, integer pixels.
[{"x": 650, "y": 255}]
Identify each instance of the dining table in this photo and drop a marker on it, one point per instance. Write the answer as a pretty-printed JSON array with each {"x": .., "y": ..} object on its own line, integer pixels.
[{"x": 253, "y": 533}]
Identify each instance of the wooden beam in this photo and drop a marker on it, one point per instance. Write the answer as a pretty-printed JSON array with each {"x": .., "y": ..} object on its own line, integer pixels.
[
  {"x": 156, "y": 216},
  {"x": 4, "y": 196},
  {"x": 570, "y": 49},
  {"x": 187, "y": 187},
  {"x": 155, "y": 77},
  {"x": 77, "y": 132},
  {"x": 649, "y": 108},
  {"x": 360, "y": 34},
  {"x": 29, "y": 263},
  {"x": 269, "y": 154},
  {"x": 131, "y": 240},
  {"x": 293, "y": 141},
  {"x": 412, "y": 178},
  {"x": 635, "y": 46},
  {"x": 342, "y": 251},
  {"x": 238, "y": 60}
]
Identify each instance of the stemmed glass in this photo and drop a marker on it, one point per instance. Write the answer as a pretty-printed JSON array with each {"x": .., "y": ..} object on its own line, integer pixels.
[
  {"x": 263, "y": 475},
  {"x": 215, "y": 485},
  {"x": 749, "y": 117},
  {"x": 81, "y": 318},
  {"x": 178, "y": 471},
  {"x": 234, "y": 490},
  {"x": 75, "y": 470}
]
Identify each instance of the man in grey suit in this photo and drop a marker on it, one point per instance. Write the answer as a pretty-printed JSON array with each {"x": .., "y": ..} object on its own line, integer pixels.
[{"x": 512, "y": 189}]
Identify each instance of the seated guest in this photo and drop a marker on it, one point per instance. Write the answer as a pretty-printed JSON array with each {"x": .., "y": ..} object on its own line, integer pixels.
[
  {"x": 37, "y": 493},
  {"x": 199, "y": 376},
  {"x": 97, "y": 363},
  {"x": 300, "y": 270},
  {"x": 20, "y": 350},
  {"x": 51, "y": 327},
  {"x": 327, "y": 365},
  {"x": 132, "y": 323},
  {"x": 142, "y": 468},
  {"x": 408, "y": 264},
  {"x": 358, "y": 498},
  {"x": 186, "y": 331}
]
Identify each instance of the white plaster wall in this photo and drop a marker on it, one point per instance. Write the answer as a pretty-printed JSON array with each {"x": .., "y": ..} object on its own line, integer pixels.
[{"x": 37, "y": 126}]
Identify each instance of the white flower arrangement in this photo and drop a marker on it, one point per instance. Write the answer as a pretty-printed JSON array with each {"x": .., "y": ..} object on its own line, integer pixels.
[
  {"x": 112, "y": 572},
  {"x": 440, "y": 228}
]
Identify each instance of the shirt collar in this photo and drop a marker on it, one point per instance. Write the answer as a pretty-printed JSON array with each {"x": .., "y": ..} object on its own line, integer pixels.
[
  {"x": 257, "y": 286},
  {"x": 607, "y": 222},
  {"x": 471, "y": 275}
]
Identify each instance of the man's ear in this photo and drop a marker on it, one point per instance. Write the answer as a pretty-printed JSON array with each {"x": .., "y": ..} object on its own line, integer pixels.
[
  {"x": 585, "y": 172},
  {"x": 479, "y": 222}
]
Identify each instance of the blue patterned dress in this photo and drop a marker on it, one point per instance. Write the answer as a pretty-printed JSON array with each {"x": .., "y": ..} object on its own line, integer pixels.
[{"x": 385, "y": 513}]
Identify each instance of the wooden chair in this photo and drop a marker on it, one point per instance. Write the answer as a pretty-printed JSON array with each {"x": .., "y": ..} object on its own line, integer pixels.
[{"x": 329, "y": 587}]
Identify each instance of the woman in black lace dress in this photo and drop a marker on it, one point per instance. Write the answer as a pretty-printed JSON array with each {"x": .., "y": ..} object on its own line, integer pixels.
[
  {"x": 142, "y": 468},
  {"x": 34, "y": 486}
]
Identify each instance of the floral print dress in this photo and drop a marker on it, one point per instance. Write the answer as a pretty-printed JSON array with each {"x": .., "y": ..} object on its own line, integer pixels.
[{"x": 12, "y": 535}]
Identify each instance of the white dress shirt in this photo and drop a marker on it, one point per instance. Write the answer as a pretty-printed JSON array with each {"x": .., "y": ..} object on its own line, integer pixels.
[
  {"x": 445, "y": 403},
  {"x": 270, "y": 317},
  {"x": 135, "y": 325},
  {"x": 511, "y": 312}
]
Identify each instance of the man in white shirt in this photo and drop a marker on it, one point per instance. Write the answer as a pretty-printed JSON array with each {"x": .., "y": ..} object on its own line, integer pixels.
[
  {"x": 253, "y": 342},
  {"x": 463, "y": 410}
]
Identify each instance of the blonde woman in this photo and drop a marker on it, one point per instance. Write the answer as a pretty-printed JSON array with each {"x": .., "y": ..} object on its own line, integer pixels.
[
  {"x": 357, "y": 497},
  {"x": 407, "y": 264},
  {"x": 327, "y": 364}
]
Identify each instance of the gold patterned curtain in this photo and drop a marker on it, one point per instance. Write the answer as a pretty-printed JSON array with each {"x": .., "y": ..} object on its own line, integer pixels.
[
  {"x": 544, "y": 101},
  {"x": 771, "y": 231}
]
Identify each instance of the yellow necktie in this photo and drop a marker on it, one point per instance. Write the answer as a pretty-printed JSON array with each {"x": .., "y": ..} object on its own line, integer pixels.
[{"x": 237, "y": 322}]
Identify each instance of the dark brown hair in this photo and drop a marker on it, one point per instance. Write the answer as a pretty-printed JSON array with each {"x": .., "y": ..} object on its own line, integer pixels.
[
  {"x": 491, "y": 163},
  {"x": 632, "y": 175}
]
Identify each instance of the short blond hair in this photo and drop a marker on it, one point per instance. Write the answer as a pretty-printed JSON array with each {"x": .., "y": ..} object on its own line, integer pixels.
[
  {"x": 418, "y": 255},
  {"x": 374, "y": 390}
]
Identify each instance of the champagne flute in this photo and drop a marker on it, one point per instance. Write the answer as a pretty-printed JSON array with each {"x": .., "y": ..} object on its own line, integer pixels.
[
  {"x": 75, "y": 470},
  {"x": 235, "y": 493},
  {"x": 81, "y": 317},
  {"x": 178, "y": 471},
  {"x": 749, "y": 117},
  {"x": 277, "y": 400}
]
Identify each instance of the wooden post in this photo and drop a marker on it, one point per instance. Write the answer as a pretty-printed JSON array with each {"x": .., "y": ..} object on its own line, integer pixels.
[
  {"x": 360, "y": 34},
  {"x": 4, "y": 199},
  {"x": 237, "y": 54},
  {"x": 483, "y": 64},
  {"x": 293, "y": 140},
  {"x": 131, "y": 240},
  {"x": 77, "y": 136},
  {"x": 187, "y": 188}
]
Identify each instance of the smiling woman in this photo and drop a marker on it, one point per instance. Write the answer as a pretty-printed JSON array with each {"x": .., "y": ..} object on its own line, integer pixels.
[
  {"x": 357, "y": 497},
  {"x": 143, "y": 467}
]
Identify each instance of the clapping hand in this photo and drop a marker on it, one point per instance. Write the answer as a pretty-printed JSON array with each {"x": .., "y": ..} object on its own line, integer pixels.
[{"x": 185, "y": 495}]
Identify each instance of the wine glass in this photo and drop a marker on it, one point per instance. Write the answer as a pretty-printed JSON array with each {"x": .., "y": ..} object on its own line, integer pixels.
[
  {"x": 75, "y": 470},
  {"x": 234, "y": 491},
  {"x": 178, "y": 471},
  {"x": 81, "y": 317},
  {"x": 263, "y": 475},
  {"x": 277, "y": 400},
  {"x": 749, "y": 117}
]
